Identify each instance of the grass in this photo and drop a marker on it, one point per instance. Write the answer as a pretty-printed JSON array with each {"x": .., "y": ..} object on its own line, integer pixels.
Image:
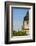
[{"x": 20, "y": 33}]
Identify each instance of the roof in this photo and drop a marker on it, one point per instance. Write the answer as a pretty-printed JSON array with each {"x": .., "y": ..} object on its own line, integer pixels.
[{"x": 27, "y": 16}]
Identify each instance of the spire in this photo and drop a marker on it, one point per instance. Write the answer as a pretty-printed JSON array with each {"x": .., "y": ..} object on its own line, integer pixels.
[{"x": 27, "y": 16}]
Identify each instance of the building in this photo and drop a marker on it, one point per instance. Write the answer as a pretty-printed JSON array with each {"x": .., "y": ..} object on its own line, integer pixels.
[{"x": 26, "y": 22}]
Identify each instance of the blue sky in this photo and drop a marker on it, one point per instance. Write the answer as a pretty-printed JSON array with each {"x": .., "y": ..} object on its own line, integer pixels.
[{"x": 18, "y": 15}]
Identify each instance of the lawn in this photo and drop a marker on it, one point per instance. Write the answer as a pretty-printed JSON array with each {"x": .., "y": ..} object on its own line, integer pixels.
[{"x": 20, "y": 33}]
